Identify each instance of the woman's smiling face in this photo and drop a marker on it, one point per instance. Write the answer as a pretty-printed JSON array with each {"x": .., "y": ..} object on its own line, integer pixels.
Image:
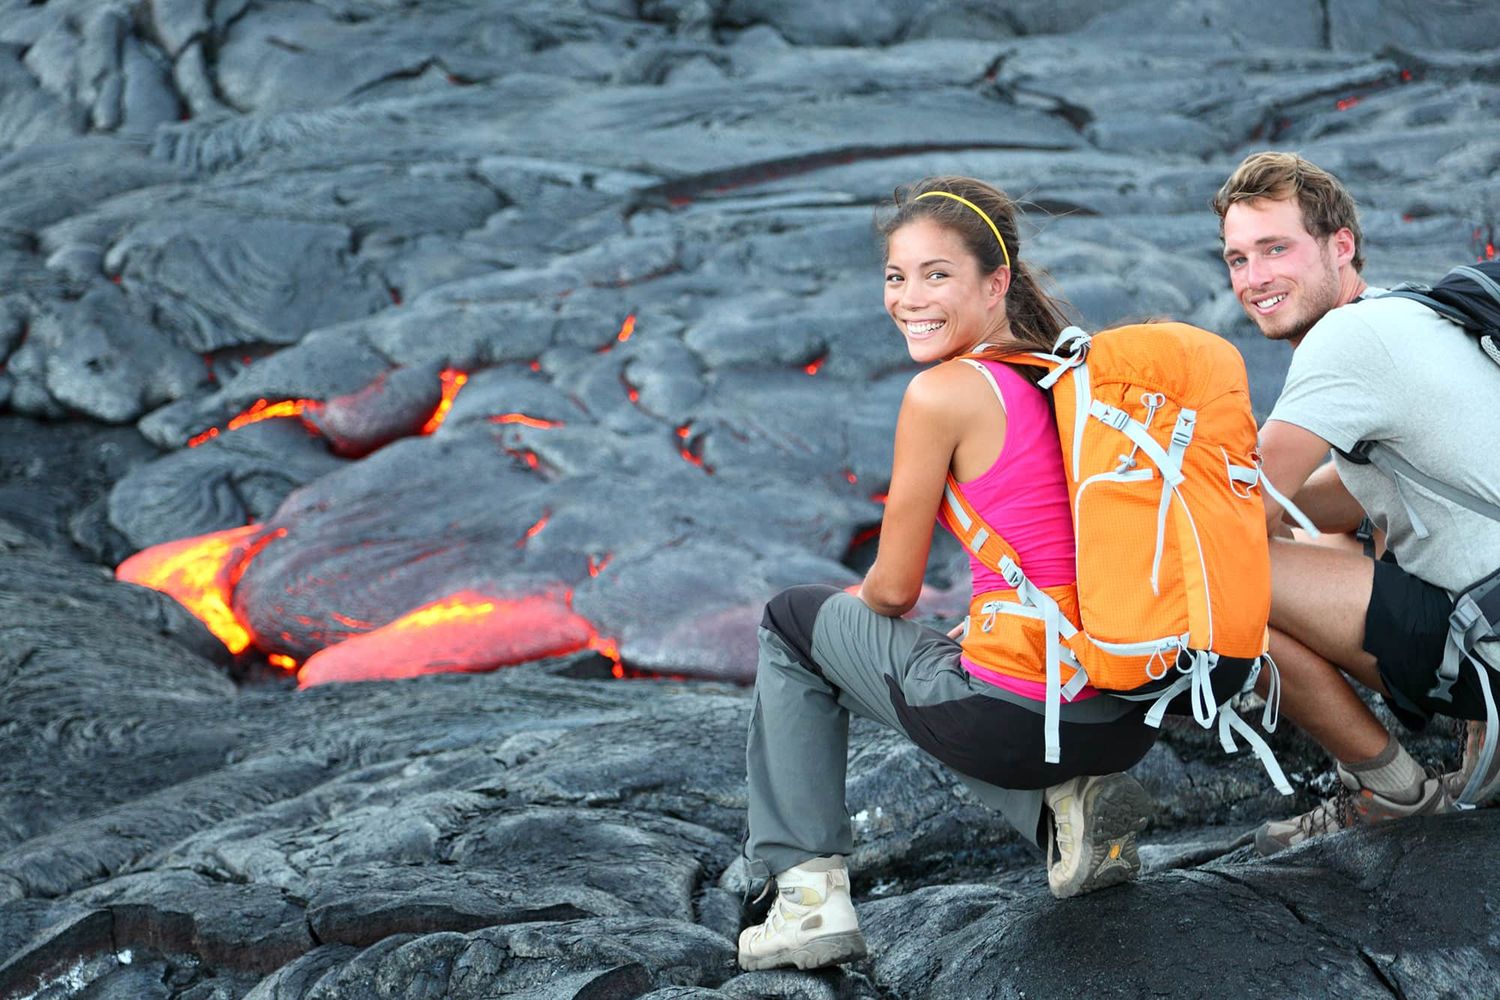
[{"x": 935, "y": 293}]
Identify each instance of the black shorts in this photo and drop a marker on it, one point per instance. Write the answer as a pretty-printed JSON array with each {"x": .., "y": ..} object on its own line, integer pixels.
[{"x": 1406, "y": 630}]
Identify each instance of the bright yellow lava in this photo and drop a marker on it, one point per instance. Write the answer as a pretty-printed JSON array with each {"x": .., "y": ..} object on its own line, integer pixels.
[{"x": 195, "y": 571}]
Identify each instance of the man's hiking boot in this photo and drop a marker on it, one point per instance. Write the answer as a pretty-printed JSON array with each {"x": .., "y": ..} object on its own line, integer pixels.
[
  {"x": 1091, "y": 840},
  {"x": 1351, "y": 805},
  {"x": 1456, "y": 780},
  {"x": 811, "y": 922}
]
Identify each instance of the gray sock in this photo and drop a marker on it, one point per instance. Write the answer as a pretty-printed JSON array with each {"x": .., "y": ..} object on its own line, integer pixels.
[{"x": 1392, "y": 773}]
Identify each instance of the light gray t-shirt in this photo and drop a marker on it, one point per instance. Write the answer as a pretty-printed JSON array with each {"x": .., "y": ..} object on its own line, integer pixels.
[{"x": 1393, "y": 371}]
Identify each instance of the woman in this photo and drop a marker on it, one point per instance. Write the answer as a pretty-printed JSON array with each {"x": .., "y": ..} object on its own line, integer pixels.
[{"x": 954, "y": 285}]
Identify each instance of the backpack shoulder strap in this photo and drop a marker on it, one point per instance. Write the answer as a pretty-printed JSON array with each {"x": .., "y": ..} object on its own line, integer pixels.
[
  {"x": 973, "y": 531},
  {"x": 1386, "y": 460}
]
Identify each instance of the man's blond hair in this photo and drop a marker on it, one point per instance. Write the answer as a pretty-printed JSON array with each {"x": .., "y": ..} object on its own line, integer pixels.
[{"x": 1326, "y": 204}]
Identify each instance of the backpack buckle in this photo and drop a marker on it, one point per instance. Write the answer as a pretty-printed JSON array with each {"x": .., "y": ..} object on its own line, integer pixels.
[
  {"x": 1182, "y": 433},
  {"x": 1112, "y": 416}
]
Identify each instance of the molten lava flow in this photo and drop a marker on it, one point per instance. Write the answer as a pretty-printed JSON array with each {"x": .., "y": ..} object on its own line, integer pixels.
[
  {"x": 610, "y": 650},
  {"x": 283, "y": 661},
  {"x": 1347, "y": 103},
  {"x": 466, "y": 631},
  {"x": 251, "y": 551},
  {"x": 200, "y": 573},
  {"x": 817, "y": 363},
  {"x": 879, "y": 497},
  {"x": 626, "y": 328},
  {"x": 453, "y": 380},
  {"x": 596, "y": 566},
  {"x": 524, "y": 420},
  {"x": 264, "y": 410}
]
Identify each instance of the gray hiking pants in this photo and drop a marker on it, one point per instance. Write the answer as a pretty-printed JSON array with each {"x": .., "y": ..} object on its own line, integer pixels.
[{"x": 824, "y": 654}]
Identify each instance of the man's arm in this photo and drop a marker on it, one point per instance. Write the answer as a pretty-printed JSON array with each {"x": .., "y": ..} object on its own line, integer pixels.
[
  {"x": 1289, "y": 455},
  {"x": 1327, "y": 502}
]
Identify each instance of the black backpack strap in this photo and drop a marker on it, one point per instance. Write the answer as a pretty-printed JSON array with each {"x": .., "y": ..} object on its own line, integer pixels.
[{"x": 1423, "y": 294}]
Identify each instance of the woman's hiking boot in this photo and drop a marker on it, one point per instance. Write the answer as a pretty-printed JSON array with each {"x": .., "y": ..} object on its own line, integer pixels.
[
  {"x": 811, "y": 922},
  {"x": 1091, "y": 840},
  {"x": 1458, "y": 780},
  {"x": 1351, "y": 805}
]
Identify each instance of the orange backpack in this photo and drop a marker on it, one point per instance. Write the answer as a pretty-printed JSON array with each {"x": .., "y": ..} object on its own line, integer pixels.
[{"x": 1173, "y": 567}]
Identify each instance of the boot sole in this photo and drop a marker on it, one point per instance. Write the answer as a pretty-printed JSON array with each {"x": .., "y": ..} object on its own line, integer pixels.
[
  {"x": 1120, "y": 808},
  {"x": 831, "y": 949}
]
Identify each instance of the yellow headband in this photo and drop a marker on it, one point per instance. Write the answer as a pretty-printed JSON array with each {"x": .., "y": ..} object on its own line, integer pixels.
[{"x": 979, "y": 211}]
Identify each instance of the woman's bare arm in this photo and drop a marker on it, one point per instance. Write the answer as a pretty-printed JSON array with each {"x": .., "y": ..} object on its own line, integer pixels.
[{"x": 938, "y": 405}]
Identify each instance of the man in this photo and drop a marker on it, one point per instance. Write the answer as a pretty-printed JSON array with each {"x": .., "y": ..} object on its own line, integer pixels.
[{"x": 1363, "y": 369}]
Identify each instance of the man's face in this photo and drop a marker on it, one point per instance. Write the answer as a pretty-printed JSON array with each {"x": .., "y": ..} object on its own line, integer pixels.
[{"x": 1284, "y": 277}]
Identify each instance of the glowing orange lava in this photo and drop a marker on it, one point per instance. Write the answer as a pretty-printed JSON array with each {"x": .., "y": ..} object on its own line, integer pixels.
[
  {"x": 283, "y": 661},
  {"x": 535, "y": 529},
  {"x": 264, "y": 410},
  {"x": 465, "y": 631},
  {"x": 610, "y": 650},
  {"x": 812, "y": 369},
  {"x": 453, "y": 380},
  {"x": 626, "y": 328},
  {"x": 199, "y": 572},
  {"x": 529, "y": 457},
  {"x": 524, "y": 420},
  {"x": 596, "y": 566},
  {"x": 458, "y": 608},
  {"x": 1347, "y": 103}
]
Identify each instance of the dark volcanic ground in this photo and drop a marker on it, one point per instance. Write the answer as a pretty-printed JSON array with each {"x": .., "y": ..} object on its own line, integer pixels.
[{"x": 643, "y": 227}]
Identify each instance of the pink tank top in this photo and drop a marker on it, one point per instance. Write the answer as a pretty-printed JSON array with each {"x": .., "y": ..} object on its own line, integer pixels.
[{"x": 1024, "y": 497}]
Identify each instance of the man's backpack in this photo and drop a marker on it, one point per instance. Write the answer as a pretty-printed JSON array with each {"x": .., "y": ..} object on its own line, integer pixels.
[
  {"x": 1469, "y": 295},
  {"x": 1173, "y": 567}
]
